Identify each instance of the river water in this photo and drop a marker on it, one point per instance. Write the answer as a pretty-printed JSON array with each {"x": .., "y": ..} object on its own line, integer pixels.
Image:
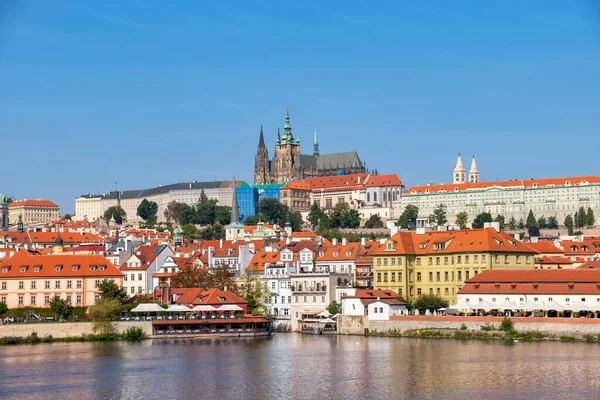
[{"x": 302, "y": 366}]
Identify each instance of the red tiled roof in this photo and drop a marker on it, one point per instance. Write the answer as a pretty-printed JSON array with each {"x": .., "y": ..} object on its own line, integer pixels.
[
  {"x": 296, "y": 185},
  {"x": 555, "y": 260},
  {"x": 47, "y": 265},
  {"x": 146, "y": 254},
  {"x": 304, "y": 235},
  {"x": 213, "y": 297},
  {"x": 374, "y": 294},
  {"x": 338, "y": 252},
  {"x": 592, "y": 264},
  {"x": 544, "y": 246},
  {"x": 261, "y": 258},
  {"x": 69, "y": 238},
  {"x": 516, "y": 184},
  {"x": 347, "y": 182},
  {"x": 383, "y": 181},
  {"x": 33, "y": 203}
]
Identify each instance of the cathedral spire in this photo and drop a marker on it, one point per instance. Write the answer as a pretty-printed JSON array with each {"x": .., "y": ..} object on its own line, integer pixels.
[
  {"x": 278, "y": 137},
  {"x": 261, "y": 141},
  {"x": 459, "y": 171},
  {"x": 473, "y": 172},
  {"x": 316, "y": 143},
  {"x": 287, "y": 128}
]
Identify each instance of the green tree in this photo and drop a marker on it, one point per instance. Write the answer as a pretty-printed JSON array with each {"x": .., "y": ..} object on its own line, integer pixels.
[
  {"x": 482, "y": 219},
  {"x": 569, "y": 224},
  {"x": 580, "y": 218},
  {"x": 253, "y": 220},
  {"x": 408, "y": 219},
  {"x": 60, "y": 307},
  {"x": 147, "y": 211},
  {"x": 429, "y": 302},
  {"x": 190, "y": 277},
  {"x": 270, "y": 210},
  {"x": 190, "y": 232},
  {"x": 214, "y": 232},
  {"x": 187, "y": 214},
  {"x": 172, "y": 211},
  {"x": 315, "y": 215},
  {"x": 520, "y": 224},
  {"x": 294, "y": 217},
  {"x": 103, "y": 312},
  {"x": 462, "y": 219},
  {"x": 67, "y": 217},
  {"x": 334, "y": 308},
  {"x": 374, "y": 222},
  {"x": 531, "y": 221},
  {"x": 590, "y": 219},
  {"x": 117, "y": 212},
  {"x": 542, "y": 223},
  {"x": 222, "y": 215},
  {"x": 3, "y": 308},
  {"x": 512, "y": 223},
  {"x": 342, "y": 216},
  {"x": 110, "y": 290},
  {"x": 552, "y": 222},
  {"x": 439, "y": 215},
  {"x": 500, "y": 220}
]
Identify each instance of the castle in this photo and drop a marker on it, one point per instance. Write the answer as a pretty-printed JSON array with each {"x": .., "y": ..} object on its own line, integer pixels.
[{"x": 288, "y": 164}]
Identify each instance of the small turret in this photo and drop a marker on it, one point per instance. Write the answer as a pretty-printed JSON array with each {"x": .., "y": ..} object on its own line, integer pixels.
[
  {"x": 459, "y": 172},
  {"x": 473, "y": 172}
]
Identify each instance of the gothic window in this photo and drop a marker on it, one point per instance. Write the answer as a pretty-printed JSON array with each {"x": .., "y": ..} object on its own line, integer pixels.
[
  {"x": 384, "y": 196},
  {"x": 368, "y": 197},
  {"x": 375, "y": 197}
]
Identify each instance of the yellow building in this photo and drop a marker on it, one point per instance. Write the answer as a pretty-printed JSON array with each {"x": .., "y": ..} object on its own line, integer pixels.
[
  {"x": 30, "y": 279},
  {"x": 33, "y": 211},
  {"x": 414, "y": 264}
]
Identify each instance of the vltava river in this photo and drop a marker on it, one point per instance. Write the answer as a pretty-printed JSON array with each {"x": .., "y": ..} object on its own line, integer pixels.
[{"x": 302, "y": 366}]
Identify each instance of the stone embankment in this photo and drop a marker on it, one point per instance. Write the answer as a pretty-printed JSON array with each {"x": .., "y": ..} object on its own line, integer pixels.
[
  {"x": 548, "y": 327},
  {"x": 67, "y": 329}
]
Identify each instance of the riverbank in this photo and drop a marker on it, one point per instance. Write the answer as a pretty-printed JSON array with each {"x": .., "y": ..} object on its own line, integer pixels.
[{"x": 561, "y": 329}]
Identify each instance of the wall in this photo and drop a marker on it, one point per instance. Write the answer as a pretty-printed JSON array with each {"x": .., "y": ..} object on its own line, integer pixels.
[
  {"x": 64, "y": 329},
  {"x": 352, "y": 325}
]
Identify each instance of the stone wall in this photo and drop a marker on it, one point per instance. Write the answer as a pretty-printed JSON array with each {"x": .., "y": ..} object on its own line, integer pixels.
[
  {"x": 64, "y": 329},
  {"x": 552, "y": 326}
]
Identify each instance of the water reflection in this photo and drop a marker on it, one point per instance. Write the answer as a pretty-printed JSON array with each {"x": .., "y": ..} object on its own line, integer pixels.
[{"x": 301, "y": 366}]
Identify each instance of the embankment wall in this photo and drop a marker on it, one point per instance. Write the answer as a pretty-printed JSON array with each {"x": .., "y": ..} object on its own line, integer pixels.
[{"x": 64, "y": 329}]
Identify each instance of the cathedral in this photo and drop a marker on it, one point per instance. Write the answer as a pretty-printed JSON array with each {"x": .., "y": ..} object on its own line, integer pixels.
[{"x": 288, "y": 164}]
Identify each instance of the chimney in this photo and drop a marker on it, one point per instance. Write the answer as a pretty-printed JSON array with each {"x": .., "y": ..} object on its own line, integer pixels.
[
  {"x": 288, "y": 240},
  {"x": 334, "y": 241},
  {"x": 363, "y": 241},
  {"x": 344, "y": 242},
  {"x": 420, "y": 231},
  {"x": 220, "y": 244}
]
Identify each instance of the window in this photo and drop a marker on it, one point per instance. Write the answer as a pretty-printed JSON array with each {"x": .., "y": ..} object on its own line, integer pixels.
[
  {"x": 385, "y": 277},
  {"x": 418, "y": 277},
  {"x": 56, "y": 284},
  {"x": 78, "y": 299},
  {"x": 96, "y": 297},
  {"x": 282, "y": 299},
  {"x": 466, "y": 275},
  {"x": 483, "y": 258},
  {"x": 399, "y": 261},
  {"x": 97, "y": 283},
  {"x": 139, "y": 289},
  {"x": 445, "y": 260},
  {"x": 133, "y": 277},
  {"x": 374, "y": 310},
  {"x": 518, "y": 259},
  {"x": 505, "y": 259},
  {"x": 125, "y": 277},
  {"x": 475, "y": 259},
  {"x": 69, "y": 284},
  {"x": 419, "y": 291},
  {"x": 290, "y": 299},
  {"x": 438, "y": 291},
  {"x": 385, "y": 261},
  {"x": 496, "y": 259},
  {"x": 132, "y": 289},
  {"x": 418, "y": 261},
  {"x": 272, "y": 285},
  {"x": 431, "y": 277},
  {"x": 437, "y": 276},
  {"x": 274, "y": 299},
  {"x": 3, "y": 287},
  {"x": 393, "y": 260},
  {"x": 430, "y": 262},
  {"x": 446, "y": 277},
  {"x": 79, "y": 284},
  {"x": 32, "y": 299},
  {"x": 20, "y": 300},
  {"x": 430, "y": 290},
  {"x": 446, "y": 291},
  {"x": 399, "y": 276},
  {"x": 21, "y": 285},
  {"x": 3, "y": 299},
  {"x": 527, "y": 260},
  {"x": 466, "y": 259},
  {"x": 46, "y": 299},
  {"x": 69, "y": 299},
  {"x": 379, "y": 277},
  {"x": 33, "y": 284},
  {"x": 393, "y": 277},
  {"x": 140, "y": 277},
  {"x": 459, "y": 259}
]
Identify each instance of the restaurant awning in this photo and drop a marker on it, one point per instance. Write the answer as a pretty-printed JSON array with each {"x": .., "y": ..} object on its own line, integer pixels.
[
  {"x": 483, "y": 305},
  {"x": 507, "y": 305},
  {"x": 148, "y": 307},
  {"x": 552, "y": 305},
  {"x": 324, "y": 314},
  {"x": 178, "y": 308},
  {"x": 229, "y": 307},
  {"x": 204, "y": 308},
  {"x": 576, "y": 306},
  {"x": 528, "y": 305},
  {"x": 460, "y": 306}
]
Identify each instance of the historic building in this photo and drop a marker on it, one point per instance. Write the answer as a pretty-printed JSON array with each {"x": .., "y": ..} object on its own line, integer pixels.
[
  {"x": 3, "y": 213},
  {"x": 557, "y": 197},
  {"x": 33, "y": 211},
  {"x": 288, "y": 164}
]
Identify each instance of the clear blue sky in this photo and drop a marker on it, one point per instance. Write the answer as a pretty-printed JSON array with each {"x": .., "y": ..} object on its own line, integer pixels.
[{"x": 148, "y": 93}]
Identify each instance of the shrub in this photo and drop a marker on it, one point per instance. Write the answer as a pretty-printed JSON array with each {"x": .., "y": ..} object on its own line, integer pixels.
[
  {"x": 134, "y": 334},
  {"x": 463, "y": 327},
  {"x": 488, "y": 327},
  {"x": 507, "y": 325},
  {"x": 589, "y": 338},
  {"x": 567, "y": 338}
]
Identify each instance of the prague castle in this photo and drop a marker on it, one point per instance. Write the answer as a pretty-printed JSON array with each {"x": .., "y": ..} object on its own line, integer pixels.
[{"x": 288, "y": 164}]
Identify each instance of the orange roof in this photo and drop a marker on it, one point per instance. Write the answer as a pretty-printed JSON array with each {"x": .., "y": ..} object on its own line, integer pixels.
[
  {"x": 33, "y": 203},
  {"x": 337, "y": 182},
  {"x": 27, "y": 265},
  {"x": 534, "y": 281},
  {"x": 544, "y": 246},
  {"x": 69, "y": 238},
  {"x": 338, "y": 252},
  {"x": 296, "y": 185},
  {"x": 213, "y": 297},
  {"x": 592, "y": 264},
  {"x": 304, "y": 235},
  {"x": 373, "y": 294},
  {"x": 261, "y": 258},
  {"x": 266, "y": 227},
  {"x": 555, "y": 260},
  {"x": 586, "y": 247},
  {"x": 383, "y": 181},
  {"x": 516, "y": 184},
  {"x": 449, "y": 242}
]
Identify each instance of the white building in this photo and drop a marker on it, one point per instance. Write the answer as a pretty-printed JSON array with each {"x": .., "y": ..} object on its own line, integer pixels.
[
  {"x": 139, "y": 268},
  {"x": 376, "y": 304},
  {"x": 556, "y": 197}
]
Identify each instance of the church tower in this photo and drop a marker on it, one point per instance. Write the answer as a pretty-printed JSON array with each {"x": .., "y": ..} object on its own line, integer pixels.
[
  {"x": 316, "y": 144},
  {"x": 473, "y": 172},
  {"x": 459, "y": 172},
  {"x": 262, "y": 174},
  {"x": 287, "y": 153}
]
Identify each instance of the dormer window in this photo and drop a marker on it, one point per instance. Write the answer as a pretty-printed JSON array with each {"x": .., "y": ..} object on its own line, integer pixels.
[
  {"x": 321, "y": 254},
  {"x": 36, "y": 269},
  {"x": 74, "y": 268},
  {"x": 101, "y": 268},
  {"x": 221, "y": 299},
  {"x": 336, "y": 253},
  {"x": 23, "y": 269},
  {"x": 57, "y": 268},
  {"x": 568, "y": 183},
  {"x": 5, "y": 269},
  {"x": 348, "y": 253},
  {"x": 92, "y": 267}
]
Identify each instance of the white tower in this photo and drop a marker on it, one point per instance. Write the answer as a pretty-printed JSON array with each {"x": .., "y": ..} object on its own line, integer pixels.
[
  {"x": 460, "y": 172},
  {"x": 473, "y": 172}
]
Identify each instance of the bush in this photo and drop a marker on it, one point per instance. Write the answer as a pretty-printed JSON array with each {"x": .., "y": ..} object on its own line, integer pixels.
[
  {"x": 463, "y": 327},
  {"x": 134, "y": 334},
  {"x": 567, "y": 338},
  {"x": 488, "y": 328},
  {"x": 507, "y": 325}
]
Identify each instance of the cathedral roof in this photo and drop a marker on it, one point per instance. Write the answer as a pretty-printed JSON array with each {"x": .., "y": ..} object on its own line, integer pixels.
[{"x": 329, "y": 161}]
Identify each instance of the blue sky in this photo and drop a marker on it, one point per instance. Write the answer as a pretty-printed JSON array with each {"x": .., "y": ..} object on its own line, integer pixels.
[{"x": 149, "y": 93}]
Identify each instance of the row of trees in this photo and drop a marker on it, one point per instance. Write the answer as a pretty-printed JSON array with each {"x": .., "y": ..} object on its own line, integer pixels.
[
  {"x": 205, "y": 212},
  {"x": 340, "y": 217},
  {"x": 271, "y": 211},
  {"x": 147, "y": 210}
]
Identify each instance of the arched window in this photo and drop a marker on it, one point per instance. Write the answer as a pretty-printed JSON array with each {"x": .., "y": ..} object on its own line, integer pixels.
[
  {"x": 375, "y": 197},
  {"x": 368, "y": 197},
  {"x": 384, "y": 196}
]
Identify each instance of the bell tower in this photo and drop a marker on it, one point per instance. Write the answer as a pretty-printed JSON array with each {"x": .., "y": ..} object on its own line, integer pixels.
[
  {"x": 459, "y": 172},
  {"x": 262, "y": 175}
]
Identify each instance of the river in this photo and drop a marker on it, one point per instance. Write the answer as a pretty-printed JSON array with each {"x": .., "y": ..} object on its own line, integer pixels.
[{"x": 301, "y": 366}]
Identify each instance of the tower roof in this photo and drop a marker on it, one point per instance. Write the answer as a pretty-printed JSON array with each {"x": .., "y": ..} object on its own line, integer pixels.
[
  {"x": 473, "y": 165},
  {"x": 459, "y": 164},
  {"x": 261, "y": 140},
  {"x": 316, "y": 143},
  {"x": 58, "y": 241},
  {"x": 235, "y": 215}
]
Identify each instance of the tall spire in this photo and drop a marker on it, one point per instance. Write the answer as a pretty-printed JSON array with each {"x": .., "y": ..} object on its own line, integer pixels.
[
  {"x": 459, "y": 172},
  {"x": 261, "y": 141},
  {"x": 316, "y": 144},
  {"x": 287, "y": 128},
  {"x": 473, "y": 165},
  {"x": 473, "y": 172},
  {"x": 235, "y": 216},
  {"x": 278, "y": 137}
]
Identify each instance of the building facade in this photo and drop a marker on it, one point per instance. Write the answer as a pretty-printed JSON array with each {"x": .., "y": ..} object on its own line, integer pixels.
[
  {"x": 557, "y": 197},
  {"x": 3, "y": 213},
  {"x": 419, "y": 263},
  {"x": 91, "y": 207},
  {"x": 288, "y": 164},
  {"x": 31, "y": 280},
  {"x": 33, "y": 211}
]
